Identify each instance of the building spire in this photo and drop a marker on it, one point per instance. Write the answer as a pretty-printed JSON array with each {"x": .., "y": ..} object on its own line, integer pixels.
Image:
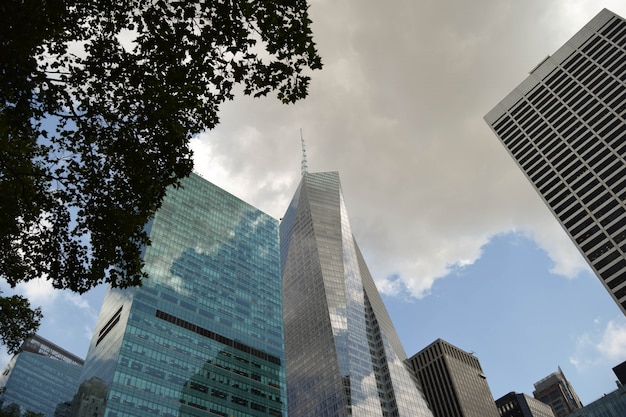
[{"x": 304, "y": 165}]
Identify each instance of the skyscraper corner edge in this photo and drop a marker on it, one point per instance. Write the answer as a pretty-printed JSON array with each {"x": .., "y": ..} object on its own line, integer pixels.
[
  {"x": 564, "y": 128},
  {"x": 548, "y": 64},
  {"x": 339, "y": 347}
]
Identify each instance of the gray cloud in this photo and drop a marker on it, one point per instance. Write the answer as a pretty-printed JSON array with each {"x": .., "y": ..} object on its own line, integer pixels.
[{"x": 397, "y": 110}]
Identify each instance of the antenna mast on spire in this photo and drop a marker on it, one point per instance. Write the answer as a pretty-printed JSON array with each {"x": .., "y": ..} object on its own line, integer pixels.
[{"x": 304, "y": 166}]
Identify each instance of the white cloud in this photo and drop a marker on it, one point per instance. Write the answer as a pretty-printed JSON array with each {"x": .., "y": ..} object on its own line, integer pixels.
[
  {"x": 207, "y": 163},
  {"x": 398, "y": 110},
  {"x": 88, "y": 331},
  {"x": 551, "y": 237},
  {"x": 83, "y": 305},
  {"x": 613, "y": 342},
  {"x": 418, "y": 275},
  {"x": 39, "y": 291},
  {"x": 605, "y": 344},
  {"x": 76, "y": 300}
]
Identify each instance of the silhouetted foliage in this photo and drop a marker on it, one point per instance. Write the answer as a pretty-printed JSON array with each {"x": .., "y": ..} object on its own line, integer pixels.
[
  {"x": 98, "y": 103},
  {"x": 17, "y": 321},
  {"x": 14, "y": 411}
]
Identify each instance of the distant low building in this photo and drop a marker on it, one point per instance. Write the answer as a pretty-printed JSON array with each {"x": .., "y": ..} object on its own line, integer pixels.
[
  {"x": 515, "y": 404},
  {"x": 556, "y": 391},
  {"x": 40, "y": 378},
  {"x": 453, "y": 381},
  {"x": 610, "y": 405}
]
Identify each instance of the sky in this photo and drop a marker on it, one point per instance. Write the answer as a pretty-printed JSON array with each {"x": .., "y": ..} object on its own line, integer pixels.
[{"x": 461, "y": 246}]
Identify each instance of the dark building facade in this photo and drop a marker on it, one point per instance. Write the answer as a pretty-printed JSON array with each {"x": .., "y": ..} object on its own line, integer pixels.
[
  {"x": 565, "y": 128},
  {"x": 344, "y": 357},
  {"x": 40, "y": 378},
  {"x": 453, "y": 381},
  {"x": 620, "y": 373},
  {"x": 515, "y": 404},
  {"x": 556, "y": 391},
  {"x": 203, "y": 335}
]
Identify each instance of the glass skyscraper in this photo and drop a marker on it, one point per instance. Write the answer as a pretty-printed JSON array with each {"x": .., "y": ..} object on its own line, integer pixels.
[
  {"x": 344, "y": 357},
  {"x": 41, "y": 378},
  {"x": 203, "y": 336},
  {"x": 565, "y": 127}
]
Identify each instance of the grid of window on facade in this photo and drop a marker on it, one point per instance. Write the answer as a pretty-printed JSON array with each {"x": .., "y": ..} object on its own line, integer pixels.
[
  {"x": 203, "y": 335},
  {"x": 317, "y": 339},
  {"x": 555, "y": 396},
  {"x": 38, "y": 383},
  {"x": 565, "y": 127},
  {"x": 609, "y": 405},
  {"x": 556, "y": 391},
  {"x": 399, "y": 390},
  {"x": 453, "y": 381},
  {"x": 39, "y": 345},
  {"x": 340, "y": 361},
  {"x": 521, "y": 405}
]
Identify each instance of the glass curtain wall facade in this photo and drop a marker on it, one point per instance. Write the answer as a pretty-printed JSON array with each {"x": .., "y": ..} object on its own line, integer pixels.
[
  {"x": 42, "y": 378},
  {"x": 344, "y": 357},
  {"x": 612, "y": 404},
  {"x": 203, "y": 336},
  {"x": 565, "y": 128},
  {"x": 39, "y": 345},
  {"x": 453, "y": 381}
]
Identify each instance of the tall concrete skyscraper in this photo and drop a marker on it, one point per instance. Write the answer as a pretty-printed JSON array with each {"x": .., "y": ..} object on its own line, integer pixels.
[
  {"x": 556, "y": 391},
  {"x": 203, "y": 336},
  {"x": 453, "y": 381},
  {"x": 344, "y": 357},
  {"x": 565, "y": 128}
]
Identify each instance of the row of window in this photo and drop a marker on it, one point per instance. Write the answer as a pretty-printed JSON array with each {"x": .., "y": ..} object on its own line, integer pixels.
[{"x": 219, "y": 338}]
